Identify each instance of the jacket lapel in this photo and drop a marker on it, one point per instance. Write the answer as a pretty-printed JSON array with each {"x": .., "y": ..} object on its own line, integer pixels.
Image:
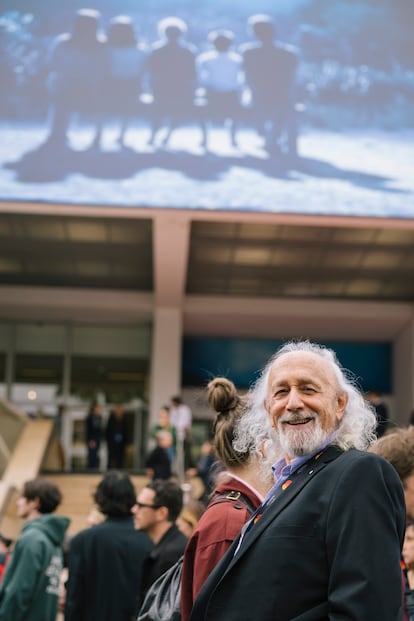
[{"x": 277, "y": 503}]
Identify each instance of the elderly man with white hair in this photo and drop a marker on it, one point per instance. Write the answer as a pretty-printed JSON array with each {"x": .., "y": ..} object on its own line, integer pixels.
[{"x": 325, "y": 545}]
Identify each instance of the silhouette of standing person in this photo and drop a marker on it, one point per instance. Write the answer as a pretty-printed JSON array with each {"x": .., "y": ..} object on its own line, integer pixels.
[
  {"x": 78, "y": 65},
  {"x": 158, "y": 461},
  {"x": 181, "y": 418},
  {"x": 164, "y": 424},
  {"x": 116, "y": 437},
  {"x": 93, "y": 435},
  {"x": 220, "y": 74},
  {"x": 127, "y": 62},
  {"x": 270, "y": 69},
  {"x": 172, "y": 77}
]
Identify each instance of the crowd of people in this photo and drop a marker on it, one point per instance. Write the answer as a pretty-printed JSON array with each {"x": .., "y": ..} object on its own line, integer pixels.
[
  {"x": 171, "y": 82},
  {"x": 309, "y": 514},
  {"x": 169, "y": 446}
]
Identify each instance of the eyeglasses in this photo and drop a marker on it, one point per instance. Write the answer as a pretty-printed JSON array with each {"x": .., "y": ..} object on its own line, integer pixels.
[{"x": 142, "y": 505}]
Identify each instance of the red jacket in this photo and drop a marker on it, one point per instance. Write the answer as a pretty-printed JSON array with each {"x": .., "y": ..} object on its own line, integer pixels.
[{"x": 216, "y": 530}]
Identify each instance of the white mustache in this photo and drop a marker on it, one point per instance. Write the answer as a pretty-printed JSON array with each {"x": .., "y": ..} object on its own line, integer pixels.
[{"x": 297, "y": 418}]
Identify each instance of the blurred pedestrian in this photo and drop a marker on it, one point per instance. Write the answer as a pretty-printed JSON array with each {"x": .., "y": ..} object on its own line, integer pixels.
[
  {"x": 116, "y": 434},
  {"x": 30, "y": 586},
  {"x": 158, "y": 461},
  {"x": 93, "y": 435},
  {"x": 181, "y": 418},
  {"x": 106, "y": 561}
]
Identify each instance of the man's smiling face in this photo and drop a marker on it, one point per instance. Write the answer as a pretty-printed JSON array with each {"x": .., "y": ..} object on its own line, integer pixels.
[{"x": 305, "y": 403}]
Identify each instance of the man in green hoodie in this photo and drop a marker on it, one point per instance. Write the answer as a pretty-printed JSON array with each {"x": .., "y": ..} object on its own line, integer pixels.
[{"x": 30, "y": 587}]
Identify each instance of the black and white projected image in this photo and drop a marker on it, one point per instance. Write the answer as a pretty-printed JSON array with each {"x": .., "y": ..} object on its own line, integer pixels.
[{"x": 287, "y": 106}]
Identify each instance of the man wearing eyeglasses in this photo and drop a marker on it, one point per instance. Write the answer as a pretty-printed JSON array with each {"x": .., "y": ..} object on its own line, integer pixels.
[{"x": 158, "y": 506}]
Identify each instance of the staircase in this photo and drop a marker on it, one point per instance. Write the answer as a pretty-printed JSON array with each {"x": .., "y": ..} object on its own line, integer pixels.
[{"x": 78, "y": 490}]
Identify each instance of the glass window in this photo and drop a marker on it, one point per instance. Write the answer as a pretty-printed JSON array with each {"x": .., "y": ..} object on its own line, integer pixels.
[
  {"x": 120, "y": 380},
  {"x": 37, "y": 382}
]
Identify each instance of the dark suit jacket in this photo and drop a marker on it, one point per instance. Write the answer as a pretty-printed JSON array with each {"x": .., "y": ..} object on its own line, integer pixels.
[
  {"x": 106, "y": 566},
  {"x": 327, "y": 548}
]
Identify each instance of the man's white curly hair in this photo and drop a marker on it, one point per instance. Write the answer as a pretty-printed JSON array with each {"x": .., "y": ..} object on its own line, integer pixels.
[{"x": 356, "y": 429}]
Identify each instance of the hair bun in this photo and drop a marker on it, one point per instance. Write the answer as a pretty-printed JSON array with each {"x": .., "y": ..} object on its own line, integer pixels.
[{"x": 222, "y": 394}]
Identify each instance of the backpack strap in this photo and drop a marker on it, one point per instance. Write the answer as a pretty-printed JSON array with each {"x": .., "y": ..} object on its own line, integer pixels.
[{"x": 237, "y": 498}]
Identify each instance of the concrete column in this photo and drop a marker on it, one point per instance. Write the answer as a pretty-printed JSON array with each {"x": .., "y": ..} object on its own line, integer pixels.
[
  {"x": 165, "y": 359},
  {"x": 171, "y": 240}
]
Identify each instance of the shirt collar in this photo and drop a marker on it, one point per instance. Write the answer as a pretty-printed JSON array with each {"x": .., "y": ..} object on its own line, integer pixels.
[{"x": 282, "y": 468}]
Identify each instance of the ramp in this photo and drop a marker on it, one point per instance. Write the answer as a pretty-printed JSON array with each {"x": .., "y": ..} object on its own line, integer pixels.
[{"x": 24, "y": 463}]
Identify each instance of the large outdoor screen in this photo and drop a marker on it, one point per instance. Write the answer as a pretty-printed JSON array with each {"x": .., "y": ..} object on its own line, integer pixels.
[{"x": 283, "y": 106}]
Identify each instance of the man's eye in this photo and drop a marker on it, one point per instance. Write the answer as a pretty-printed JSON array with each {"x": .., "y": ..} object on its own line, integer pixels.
[
  {"x": 280, "y": 392},
  {"x": 308, "y": 390}
]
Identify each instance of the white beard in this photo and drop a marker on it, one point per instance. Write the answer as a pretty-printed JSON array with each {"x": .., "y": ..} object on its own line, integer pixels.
[{"x": 299, "y": 442}]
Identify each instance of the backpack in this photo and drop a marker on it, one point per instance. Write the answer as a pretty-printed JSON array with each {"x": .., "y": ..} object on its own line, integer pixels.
[{"x": 163, "y": 599}]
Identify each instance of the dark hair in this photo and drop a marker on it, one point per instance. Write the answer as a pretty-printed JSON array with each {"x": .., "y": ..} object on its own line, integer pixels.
[
  {"x": 6, "y": 541},
  {"x": 221, "y": 39},
  {"x": 263, "y": 27},
  {"x": 176, "y": 399},
  {"x": 167, "y": 494},
  {"x": 85, "y": 27},
  {"x": 172, "y": 28},
  {"x": 115, "y": 494},
  {"x": 46, "y": 491},
  {"x": 230, "y": 406},
  {"x": 93, "y": 406},
  {"x": 121, "y": 32}
]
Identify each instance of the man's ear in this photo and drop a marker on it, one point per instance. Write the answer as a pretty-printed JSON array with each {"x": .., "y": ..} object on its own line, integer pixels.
[
  {"x": 163, "y": 514},
  {"x": 36, "y": 503},
  {"x": 342, "y": 402}
]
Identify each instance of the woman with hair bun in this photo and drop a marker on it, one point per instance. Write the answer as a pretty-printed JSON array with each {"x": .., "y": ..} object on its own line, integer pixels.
[{"x": 239, "y": 490}]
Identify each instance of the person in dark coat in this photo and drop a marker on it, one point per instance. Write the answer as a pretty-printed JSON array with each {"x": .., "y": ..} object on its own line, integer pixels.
[
  {"x": 158, "y": 461},
  {"x": 93, "y": 435},
  {"x": 116, "y": 437},
  {"x": 106, "y": 561}
]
